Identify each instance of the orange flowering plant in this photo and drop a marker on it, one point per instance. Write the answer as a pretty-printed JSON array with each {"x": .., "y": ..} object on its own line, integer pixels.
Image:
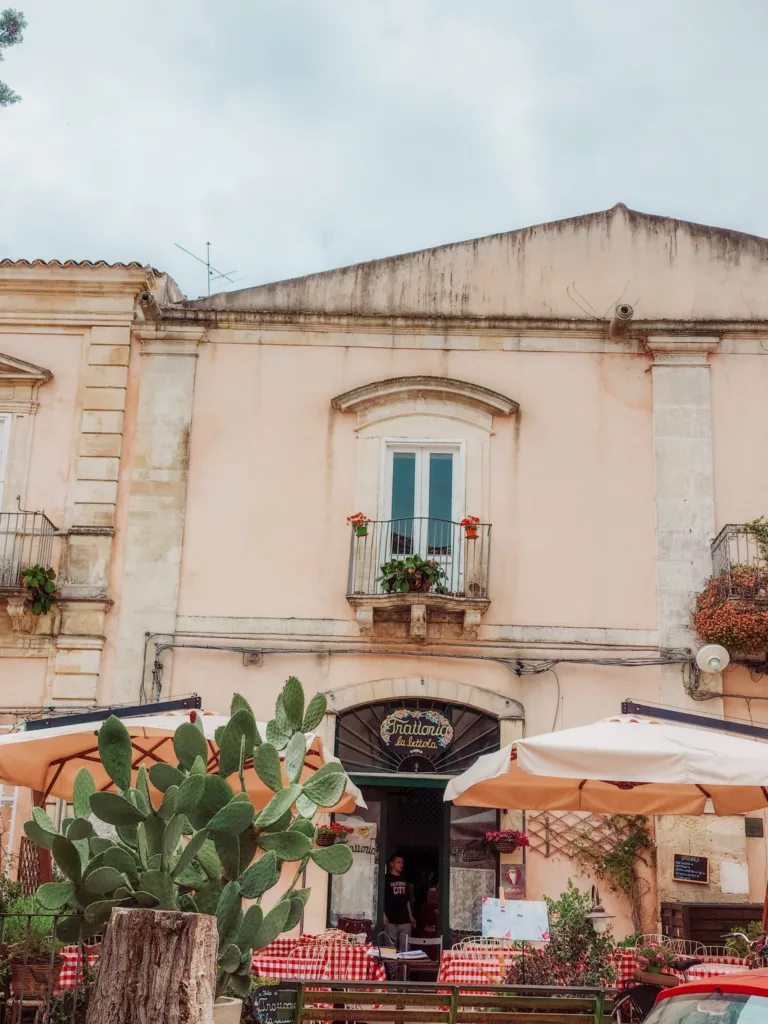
[{"x": 732, "y": 609}]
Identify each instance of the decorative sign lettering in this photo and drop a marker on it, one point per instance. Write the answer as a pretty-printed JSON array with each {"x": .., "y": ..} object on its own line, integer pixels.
[
  {"x": 688, "y": 868},
  {"x": 268, "y": 1004},
  {"x": 416, "y": 730}
]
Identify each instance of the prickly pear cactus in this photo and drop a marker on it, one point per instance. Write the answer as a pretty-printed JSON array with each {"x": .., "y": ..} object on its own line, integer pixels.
[{"x": 195, "y": 844}]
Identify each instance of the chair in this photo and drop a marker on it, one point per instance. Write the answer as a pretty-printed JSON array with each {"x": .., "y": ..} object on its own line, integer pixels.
[
  {"x": 685, "y": 947},
  {"x": 703, "y": 950},
  {"x": 655, "y": 940},
  {"x": 433, "y": 947}
]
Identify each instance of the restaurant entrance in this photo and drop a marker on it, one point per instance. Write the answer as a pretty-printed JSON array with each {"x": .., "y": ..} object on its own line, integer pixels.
[{"x": 448, "y": 865}]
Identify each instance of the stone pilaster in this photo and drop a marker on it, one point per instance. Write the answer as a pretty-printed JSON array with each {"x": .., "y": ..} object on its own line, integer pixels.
[
  {"x": 157, "y": 500},
  {"x": 685, "y": 526},
  {"x": 90, "y": 521}
]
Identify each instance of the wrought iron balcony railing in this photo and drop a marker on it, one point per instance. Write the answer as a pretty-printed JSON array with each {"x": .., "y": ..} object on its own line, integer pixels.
[
  {"x": 26, "y": 539},
  {"x": 741, "y": 547},
  {"x": 463, "y": 559}
]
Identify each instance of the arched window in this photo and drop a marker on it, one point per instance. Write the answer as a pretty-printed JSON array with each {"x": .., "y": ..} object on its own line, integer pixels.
[{"x": 414, "y": 735}]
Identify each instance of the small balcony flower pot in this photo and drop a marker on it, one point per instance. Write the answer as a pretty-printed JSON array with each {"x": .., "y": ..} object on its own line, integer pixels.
[
  {"x": 325, "y": 840},
  {"x": 361, "y": 531},
  {"x": 471, "y": 534}
]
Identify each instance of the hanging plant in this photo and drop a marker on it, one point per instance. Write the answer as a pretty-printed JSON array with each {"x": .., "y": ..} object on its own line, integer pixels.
[
  {"x": 41, "y": 584},
  {"x": 506, "y": 840},
  {"x": 732, "y": 611}
]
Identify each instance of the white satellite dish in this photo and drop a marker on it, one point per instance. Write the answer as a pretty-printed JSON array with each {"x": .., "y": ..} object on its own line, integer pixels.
[{"x": 712, "y": 658}]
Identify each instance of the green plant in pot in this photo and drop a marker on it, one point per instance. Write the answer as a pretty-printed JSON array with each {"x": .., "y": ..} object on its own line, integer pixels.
[
  {"x": 30, "y": 949},
  {"x": 233, "y": 852},
  {"x": 411, "y": 574}
]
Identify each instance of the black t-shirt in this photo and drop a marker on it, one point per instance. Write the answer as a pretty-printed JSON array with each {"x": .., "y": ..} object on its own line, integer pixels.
[{"x": 396, "y": 899}]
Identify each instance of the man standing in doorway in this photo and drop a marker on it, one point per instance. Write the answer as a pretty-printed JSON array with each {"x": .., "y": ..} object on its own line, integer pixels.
[{"x": 398, "y": 904}]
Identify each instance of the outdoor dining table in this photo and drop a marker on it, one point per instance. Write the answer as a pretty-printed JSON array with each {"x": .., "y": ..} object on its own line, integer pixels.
[
  {"x": 457, "y": 967},
  {"x": 304, "y": 962}
]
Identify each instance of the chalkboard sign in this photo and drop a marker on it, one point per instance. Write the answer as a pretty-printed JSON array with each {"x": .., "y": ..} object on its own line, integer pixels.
[
  {"x": 688, "y": 868},
  {"x": 264, "y": 999}
]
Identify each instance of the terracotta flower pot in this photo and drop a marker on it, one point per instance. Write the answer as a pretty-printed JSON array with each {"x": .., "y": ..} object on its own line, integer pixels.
[
  {"x": 35, "y": 977},
  {"x": 471, "y": 534}
]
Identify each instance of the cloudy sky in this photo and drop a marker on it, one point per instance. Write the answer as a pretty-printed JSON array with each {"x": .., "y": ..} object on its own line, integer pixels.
[{"x": 299, "y": 135}]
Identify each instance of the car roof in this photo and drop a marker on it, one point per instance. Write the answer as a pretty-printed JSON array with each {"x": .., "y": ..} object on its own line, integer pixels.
[{"x": 752, "y": 983}]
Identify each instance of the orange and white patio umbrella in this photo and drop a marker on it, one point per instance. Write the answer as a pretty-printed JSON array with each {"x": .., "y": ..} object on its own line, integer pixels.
[
  {"x": 47, "y": 760},
  {"x": 621, "y": 765}
]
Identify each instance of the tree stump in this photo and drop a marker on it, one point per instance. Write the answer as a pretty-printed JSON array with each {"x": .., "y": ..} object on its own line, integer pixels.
[{"x": 157, "y": 967}]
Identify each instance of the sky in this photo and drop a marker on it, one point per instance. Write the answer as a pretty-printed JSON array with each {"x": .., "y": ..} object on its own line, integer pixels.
[{"x": 301, "y": 135}]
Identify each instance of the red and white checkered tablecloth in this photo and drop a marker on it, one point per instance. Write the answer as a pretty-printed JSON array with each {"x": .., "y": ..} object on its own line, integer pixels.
[
  {"x": 456, "y": 968},
  {"x": 72, "y": 971},
  {"x": 625, "y": 963},
  {"x": 280, "y": 947},
  {"x": 336, "y": 961}
]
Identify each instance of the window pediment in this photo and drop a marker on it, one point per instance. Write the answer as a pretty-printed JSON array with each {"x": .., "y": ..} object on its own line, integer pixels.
[
  {"x": 383, "y": 398},
  {"x": 17, "y": 371}
]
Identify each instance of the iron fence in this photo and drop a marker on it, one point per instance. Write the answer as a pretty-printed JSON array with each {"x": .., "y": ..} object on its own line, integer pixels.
[
  {"x": 463, "y": 560},
  {"x": 739, "y": 547},
  {"x": 40, "y": 978},
  {"x": 26, "y": 539}
]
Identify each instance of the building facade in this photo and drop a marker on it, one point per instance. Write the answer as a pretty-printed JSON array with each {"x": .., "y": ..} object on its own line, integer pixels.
[{"x": 590, "y": 390}]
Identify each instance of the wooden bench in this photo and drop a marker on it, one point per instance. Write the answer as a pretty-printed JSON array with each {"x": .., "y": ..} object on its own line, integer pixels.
[{"x": 432, "y": 1003}]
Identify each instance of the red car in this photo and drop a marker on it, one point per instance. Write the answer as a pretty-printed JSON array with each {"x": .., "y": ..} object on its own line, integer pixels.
[{"x": 729, "y": 999}]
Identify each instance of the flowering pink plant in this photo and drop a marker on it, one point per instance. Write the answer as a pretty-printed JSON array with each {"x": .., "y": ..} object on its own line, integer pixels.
[
  {"x": 653, "y": 958},
  {"x": 507, "y": 835}
]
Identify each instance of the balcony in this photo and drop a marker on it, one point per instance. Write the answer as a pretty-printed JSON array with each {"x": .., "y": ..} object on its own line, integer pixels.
[
  {"x": 26, "y": 539},
  {"x": 743, "y": 547},
  {"x": 448, "y": 606}
]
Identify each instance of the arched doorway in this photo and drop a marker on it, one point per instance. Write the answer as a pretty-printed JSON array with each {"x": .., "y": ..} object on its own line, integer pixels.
[{"x": 401, "y": 751}]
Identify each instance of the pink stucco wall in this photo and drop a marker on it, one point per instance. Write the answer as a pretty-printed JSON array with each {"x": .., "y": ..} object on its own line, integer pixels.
[{"x": 270, "y": 488}]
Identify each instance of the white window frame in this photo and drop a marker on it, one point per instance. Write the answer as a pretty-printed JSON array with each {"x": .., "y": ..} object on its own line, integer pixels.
[{"x": 457, "y": 448}]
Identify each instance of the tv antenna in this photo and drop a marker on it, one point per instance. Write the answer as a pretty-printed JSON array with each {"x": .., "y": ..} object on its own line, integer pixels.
[{"x": 211, "y": 272}]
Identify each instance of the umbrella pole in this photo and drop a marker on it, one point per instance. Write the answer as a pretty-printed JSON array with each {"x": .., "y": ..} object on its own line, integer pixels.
[
  {"x": 44, "y": 862},
  {"x": 765, "y": 911}
]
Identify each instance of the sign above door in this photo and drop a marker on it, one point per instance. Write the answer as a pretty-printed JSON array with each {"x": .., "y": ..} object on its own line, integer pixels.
[
  {"x": 416, "y": 730},
  {"x": 414, "y": 735}
]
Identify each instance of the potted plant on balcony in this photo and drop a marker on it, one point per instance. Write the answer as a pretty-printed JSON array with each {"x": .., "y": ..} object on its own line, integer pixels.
[
  {"x": 360, "y": 524},
  {"x": 41, "y": 584},
  {"x": 327, "y": 835},
  {"x": 411, "y": 574},
  {"x": 470, "y": 525},
  {"x": 506, "y": 840}
]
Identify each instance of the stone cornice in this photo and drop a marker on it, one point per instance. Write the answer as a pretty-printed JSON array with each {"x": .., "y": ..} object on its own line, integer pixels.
[
  {"x": 587, "y": 327},
  {"x": 96, "y": 280},
  {"x": 169, "y": 339},
  {"x": 683, "y": 350}
]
